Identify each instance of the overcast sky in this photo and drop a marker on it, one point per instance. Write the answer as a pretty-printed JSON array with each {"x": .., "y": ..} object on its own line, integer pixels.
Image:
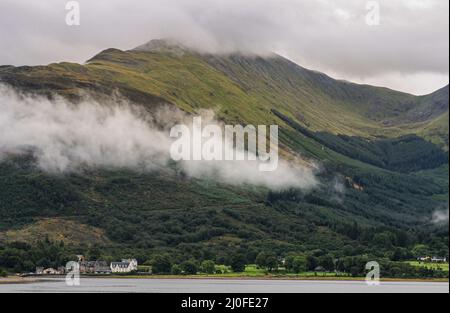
[{"x": 408, "y": 51}]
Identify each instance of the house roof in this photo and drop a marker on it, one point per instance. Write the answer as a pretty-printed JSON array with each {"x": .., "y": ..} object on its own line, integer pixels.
[{"x": 120, "y": 264}]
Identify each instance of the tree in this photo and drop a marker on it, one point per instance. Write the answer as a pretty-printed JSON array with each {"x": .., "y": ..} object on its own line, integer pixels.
[
  {"x": 238, "y": 263},
  {"x": 288, "y": 262},
  {"x": 299, "y": 264},
  {"x": 267, "y": 260},
  {"x": 208, "y": 267},
  {"x": 311, "y": 263},
  {"x": 176, "y": 269},
  {"x": 295, "y": 263},
  {"x": 190, "y": 267},
  {"x": 399, "y": 254},
  {"x": 401, "y": 239},
  {"x": 326, "y": 262},
  {"x": 383, "y": 240},
  {"x": 28, "y": 266},
  {"x": 271, "y": 262},
  {"x": 94, "y": 252},
  {"x": 261, "y": 260},
  {"x": 421, "y": 250},
  {"x": 161, "y": 264}
]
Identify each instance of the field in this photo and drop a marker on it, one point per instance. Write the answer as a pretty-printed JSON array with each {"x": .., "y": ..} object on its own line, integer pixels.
[
  {"x": 434, "y": 266},
  {"x": 254, "y": 271}
]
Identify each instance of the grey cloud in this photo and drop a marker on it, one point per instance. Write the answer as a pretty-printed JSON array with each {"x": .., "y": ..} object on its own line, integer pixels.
[{"x": 408, "y": 51}]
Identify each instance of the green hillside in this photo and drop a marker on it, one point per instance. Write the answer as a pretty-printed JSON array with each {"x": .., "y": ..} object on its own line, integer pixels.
[
  {"x": 239, "y": 88},
  {"x": 388, "y": 150},
  {"x": 437, "y": 131}
]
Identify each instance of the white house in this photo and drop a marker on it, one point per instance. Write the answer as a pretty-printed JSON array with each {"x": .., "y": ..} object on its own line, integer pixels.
[
  {"x": 51, "y": 271},
  {"x": 126, "y": 266},
  {"x": 424, "y": 259},
  {"x": 439, "y": 259}
]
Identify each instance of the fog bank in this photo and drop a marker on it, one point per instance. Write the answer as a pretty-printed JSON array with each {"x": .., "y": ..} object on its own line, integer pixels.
[{"x": 64, "y": 137}]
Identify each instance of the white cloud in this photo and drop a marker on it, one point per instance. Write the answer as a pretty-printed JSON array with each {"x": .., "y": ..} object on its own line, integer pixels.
[
  {"x": 420, "y": 4},
  {"x": 64, "y": 137},
  {"x": 440, "y": 216}
]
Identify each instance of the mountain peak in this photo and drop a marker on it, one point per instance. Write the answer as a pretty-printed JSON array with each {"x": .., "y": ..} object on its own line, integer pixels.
[
  {"x": 163, "y": 45},
  {"x": 175, "y": 47}
]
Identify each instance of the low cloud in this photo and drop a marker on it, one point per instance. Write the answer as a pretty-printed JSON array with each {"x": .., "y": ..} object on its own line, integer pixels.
[
  {"x": 407, "y": 51},
  {"x": 337, "y": 189},
  {"x": 440, "y": 217},
  {"x": 65, "y": 137}
]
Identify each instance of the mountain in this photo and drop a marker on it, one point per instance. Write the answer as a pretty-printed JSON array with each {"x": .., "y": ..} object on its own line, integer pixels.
[
  {"x": 388, "y": 149},
  {"x": 256, "y": 83}
]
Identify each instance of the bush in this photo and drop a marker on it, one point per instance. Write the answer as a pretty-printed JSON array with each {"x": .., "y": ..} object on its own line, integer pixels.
[
  {"x": 238, "y": 262},
  {"x": 176, "y": 270},
  {"x": 296, "y": 264},
  {"x": 3, "y": 273},
  {"x": 311, "y": 263},
  {"x": 190, "y": 267},
  {"x": 161, "y": 264},
  {"x": 208, "y": 267}
]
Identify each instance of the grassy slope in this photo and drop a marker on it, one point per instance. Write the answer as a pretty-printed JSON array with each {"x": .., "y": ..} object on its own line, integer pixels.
[
  {"x": 56, "y": 230},
  {"x": 241, "y": 91},
  {"x": 443, "y": 266},
  {"x": 437, "y": 131},
  {"x": 323, "y": 104}
]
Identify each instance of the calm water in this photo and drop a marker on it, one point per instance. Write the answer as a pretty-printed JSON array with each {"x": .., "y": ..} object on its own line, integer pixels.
[{"x": 89, "y": 285}]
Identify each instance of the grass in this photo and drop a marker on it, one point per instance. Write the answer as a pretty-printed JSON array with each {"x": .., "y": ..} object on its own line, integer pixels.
[
  {"x": 238, "y": 89},
  {"x": 434, "y": 266},
  {"x": 437, "y": 131},
  {"x": 252, "y": 271},
  {"x": 56, "y": 230}
]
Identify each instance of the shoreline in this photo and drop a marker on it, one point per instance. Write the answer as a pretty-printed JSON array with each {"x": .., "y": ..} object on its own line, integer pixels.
[
  {"x": 52, "y": 278},
  {"x": 343, "y": 279},
  {"x": 11, "y": 280}
]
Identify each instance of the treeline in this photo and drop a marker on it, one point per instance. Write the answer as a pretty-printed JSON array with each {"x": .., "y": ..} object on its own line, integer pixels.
[
  {"x": 356, "y": 267},
  {"x": 18, "y": 257},
  {"x": 22, "y": 258},
  {"x": 404, "y": 154},
  {"x": 297, "y": 264}
]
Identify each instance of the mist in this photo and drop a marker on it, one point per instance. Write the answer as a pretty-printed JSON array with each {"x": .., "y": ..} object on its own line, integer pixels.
[
  {"x": 64, "y": 137},
  {"x": 440, "y": 216}
]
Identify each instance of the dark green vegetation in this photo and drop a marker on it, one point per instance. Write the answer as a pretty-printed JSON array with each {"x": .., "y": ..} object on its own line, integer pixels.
[
  {"x": 403, "y": 154},
  {"x": 384, "y": 156}
]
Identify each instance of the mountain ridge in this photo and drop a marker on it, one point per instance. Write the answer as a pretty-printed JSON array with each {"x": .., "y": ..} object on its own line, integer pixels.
[
  {"x": 376, "y": 107},
  {"x": 168, "y": 45}
]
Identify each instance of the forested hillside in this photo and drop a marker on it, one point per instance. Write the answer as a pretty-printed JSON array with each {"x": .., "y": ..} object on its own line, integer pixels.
[{"x": 383, "y": 158}]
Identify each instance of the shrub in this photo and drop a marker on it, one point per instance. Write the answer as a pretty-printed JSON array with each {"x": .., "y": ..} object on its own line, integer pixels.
[
  {"x": 208, "y": 267},
  {"x": 238, "y": 263},
  {"x": 190, "y": 267},
  {"x": 176, "y": 270},
  {"x": 161, "y": 264}
]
